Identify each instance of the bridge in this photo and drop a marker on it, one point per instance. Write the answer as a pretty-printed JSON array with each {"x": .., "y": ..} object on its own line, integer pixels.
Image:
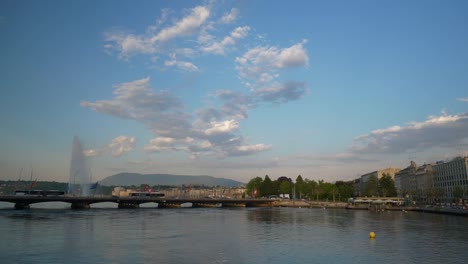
[{"x": 24, "y": 202}]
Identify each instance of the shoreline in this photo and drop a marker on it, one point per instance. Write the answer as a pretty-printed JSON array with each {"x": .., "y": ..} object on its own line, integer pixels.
[{"x": 343, "y": 205}]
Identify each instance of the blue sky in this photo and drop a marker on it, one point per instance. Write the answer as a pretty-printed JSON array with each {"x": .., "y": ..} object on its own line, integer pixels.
[{"x": 236, "y": 89}]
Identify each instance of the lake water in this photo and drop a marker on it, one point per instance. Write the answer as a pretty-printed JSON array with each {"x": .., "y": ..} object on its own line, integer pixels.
[{"x": 221, "y": 235}]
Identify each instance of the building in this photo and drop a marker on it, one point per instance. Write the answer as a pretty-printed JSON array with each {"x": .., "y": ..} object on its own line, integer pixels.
[
  {"x": 451, "y": 179},
  {"x": 357, "y": 187},
  {"x": 364, "y": 180},
  {"x": 416, "y": 182}
]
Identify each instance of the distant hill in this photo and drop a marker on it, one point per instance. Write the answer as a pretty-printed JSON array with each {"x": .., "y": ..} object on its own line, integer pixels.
[{"x": 127, "y": 179}]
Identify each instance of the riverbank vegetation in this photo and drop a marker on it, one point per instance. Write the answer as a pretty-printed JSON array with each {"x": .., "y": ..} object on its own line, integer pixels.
[
  {"x": 318, "y": 190},
  {"x": 300, "y": 189}
]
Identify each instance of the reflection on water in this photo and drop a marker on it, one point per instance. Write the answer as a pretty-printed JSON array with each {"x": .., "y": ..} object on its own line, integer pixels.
[{"x": 220, "y": 235}]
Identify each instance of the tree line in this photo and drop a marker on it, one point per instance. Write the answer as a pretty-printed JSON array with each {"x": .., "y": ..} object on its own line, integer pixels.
[
  {"x": 319, "y": 190},
  {"x": 300, "y": 189}
]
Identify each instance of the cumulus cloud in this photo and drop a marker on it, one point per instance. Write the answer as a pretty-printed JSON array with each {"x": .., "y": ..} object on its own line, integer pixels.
[
  {"x": 159, "y": 38},
  {"x": 282, "y": 93},
  {"x": 160, "y": 144},
  {"x": 91, "y": 152},
  {"x": 183, "y": 65},
  {"x": 117, "y": 147},
  {"x": 160, "y": 111},
  {"x": 186, "y": 26},
  {"x": 219, "y": 47},
  {"x": 226, "y": 126},
  {"x": 230, "y": 17},
  {"x": 128, "y": 44},
  {"x": 211, "y": 130},
  {"x": 465, "y": 100},
  {"x": 262, "y": 63},
  {"x": 214, "y": 132},
  {"x": 437, "y": 131},
  {"x": 121, "y": 144},
  {"x": 249, "y": 149},
  {"x": 151, "y": 42}
]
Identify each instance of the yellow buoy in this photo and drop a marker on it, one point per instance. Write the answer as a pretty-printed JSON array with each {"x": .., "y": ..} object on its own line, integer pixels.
[{"x": 372, "y": 235}]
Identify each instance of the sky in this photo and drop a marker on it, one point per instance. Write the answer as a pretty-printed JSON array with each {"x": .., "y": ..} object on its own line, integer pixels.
[{"x": 235, "y": 89}]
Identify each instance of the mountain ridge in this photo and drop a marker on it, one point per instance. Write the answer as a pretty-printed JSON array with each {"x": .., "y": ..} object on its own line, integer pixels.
[{"x": 129, "y": 178}]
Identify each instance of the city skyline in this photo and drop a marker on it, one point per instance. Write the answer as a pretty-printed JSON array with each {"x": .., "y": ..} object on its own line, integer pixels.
[{"x": 232, "y": 89}]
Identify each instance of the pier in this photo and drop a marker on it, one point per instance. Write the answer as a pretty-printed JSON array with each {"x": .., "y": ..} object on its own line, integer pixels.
[{"x": 24, "y": 202}]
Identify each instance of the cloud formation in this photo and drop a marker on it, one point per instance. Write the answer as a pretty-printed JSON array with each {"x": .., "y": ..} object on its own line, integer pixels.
[
  {"x": 117, "y": 147},
  {"x": 127, "y": 45},
  {"x": 220, "y": 47},
  {"x": 230, "y": 17},
  {"x": 465, "y": 100},
  {"x": 261, "y": 64},
  {"x": 193, "y": 28},
  {"x": 444, "y": 131},
  {"x": 212, "y": 133},
  {"x": 213, "y": 130},
  {"x": 282, "y": 93}
]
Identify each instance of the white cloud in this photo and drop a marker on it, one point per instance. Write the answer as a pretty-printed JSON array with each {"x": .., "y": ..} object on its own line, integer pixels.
[
  {"x": 226, "y": 126},
  {"x": 159, "y": 111},
  {"x": 219, "y": 47},
  {"x": 117, "y": 147},
  {"x": 121, "y": 144},
  {"x": 91, "y": 152},
  {"x": 127, "y": 44},
  {"x": 230, "y": 17},
  {"x": 250, "y": 149},
  {"x": 160, "y": 144},
  {"x": 183, "y": 65},
  {"x": 262, "y": 63},
  {"x": 443, "y": 131},
  {"x": 163, "y": 114},
  {"x": 465, "y": 100},
  {"x": 186, "y": 26},
  {"x": 282, "y": 93},
  {"x": 150, "y": 43}
]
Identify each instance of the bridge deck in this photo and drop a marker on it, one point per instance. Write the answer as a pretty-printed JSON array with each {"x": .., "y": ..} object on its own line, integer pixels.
[{"x": 74, "y": 200}]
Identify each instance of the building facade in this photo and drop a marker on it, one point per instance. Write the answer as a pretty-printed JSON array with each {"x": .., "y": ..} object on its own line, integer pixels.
[
  {"x": 416, "y": 182},
  {"x": 366, "y": 178},
  {"x": 451, "y": 179}
]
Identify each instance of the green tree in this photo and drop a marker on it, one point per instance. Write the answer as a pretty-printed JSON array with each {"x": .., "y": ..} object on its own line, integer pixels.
[
  {"x": 266, "y": 188},
  {"x": 253, "y": 184},
  {"x": 345, "y": 190},
  {"x": 457, "y": 192},
  {"x": 319, "y": 189},
  {"x": 309, "y": 188},
  {"x": 371, "y": 186},
  {"x": 285, "y": 187},
  {"x": 299, "y": 186},
  {"x": 387, "y": 186}
]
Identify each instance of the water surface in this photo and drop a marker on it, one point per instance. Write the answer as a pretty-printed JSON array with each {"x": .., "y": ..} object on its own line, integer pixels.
[{"x": 221, "y": 235}]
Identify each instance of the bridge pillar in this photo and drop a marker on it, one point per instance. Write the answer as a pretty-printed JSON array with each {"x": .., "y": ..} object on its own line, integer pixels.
[
  {"x": 80, "y": 206},
  {"x": 21, "y": 206},
  {"x": 123, "y": 205}
]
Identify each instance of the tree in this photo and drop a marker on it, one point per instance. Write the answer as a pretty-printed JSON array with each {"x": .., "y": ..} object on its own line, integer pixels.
[
  {"x": 253, "y": 184},
  {"x": 299, "y": 186},
  {"x": 285, "y": 187},
  {"x": 387, "y": 186},
  {"x": 457, "y": 192},
  {"x": 371, "y": 186},
  {"x": 319, "y": 189},
  {"x": 345, "y": 190},
  {"x": 266, "y": 187}
]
